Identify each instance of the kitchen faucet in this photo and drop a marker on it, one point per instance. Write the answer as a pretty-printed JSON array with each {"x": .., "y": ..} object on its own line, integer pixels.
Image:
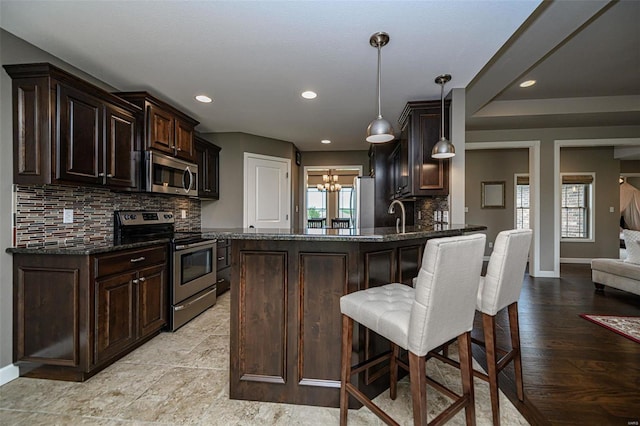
[{"x": 392, "y": 211}]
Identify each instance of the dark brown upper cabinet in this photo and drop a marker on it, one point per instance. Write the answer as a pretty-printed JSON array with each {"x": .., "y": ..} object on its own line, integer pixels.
[
  {"x": 166, "y": 129},
  {"x": 208, "y": 161},
  {"x": 413, "y": 173},
  {"x": 67, "y": 130}
]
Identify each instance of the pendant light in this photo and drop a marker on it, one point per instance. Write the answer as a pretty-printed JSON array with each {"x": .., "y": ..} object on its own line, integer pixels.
[
  {"x": 444, "y": 148},
  {"x": 379, "y": 130}
]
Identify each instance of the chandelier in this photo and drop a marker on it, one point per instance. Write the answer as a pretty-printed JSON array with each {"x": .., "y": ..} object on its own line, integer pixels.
[{"x": 330, "y": 183}]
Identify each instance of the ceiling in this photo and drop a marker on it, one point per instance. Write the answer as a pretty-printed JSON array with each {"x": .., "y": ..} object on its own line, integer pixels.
[{"x": 255, "y": 58}]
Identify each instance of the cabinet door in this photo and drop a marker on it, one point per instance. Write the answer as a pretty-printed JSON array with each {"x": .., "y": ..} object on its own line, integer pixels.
[
  {"x": 152, "y": 300},
  {"x": 160, "y": 130},
  {"x": 208, "y": 160},
  {"x": 184, "y": 140},
  {"x": 201, "y": 160},
  {"x": 79, "y": 136},
  {"x": 115, "y": 315},
  {"x": 120, "y": 149},
  {"x": 213, "y": 172},
  {"x": 432, "y": 177}
]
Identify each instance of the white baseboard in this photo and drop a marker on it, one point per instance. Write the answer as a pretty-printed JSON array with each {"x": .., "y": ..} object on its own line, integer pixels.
[
  {"x": 8, "y": 373},
  {"x": 545, "y": 274},
  {"x": 575, "y": 260}
]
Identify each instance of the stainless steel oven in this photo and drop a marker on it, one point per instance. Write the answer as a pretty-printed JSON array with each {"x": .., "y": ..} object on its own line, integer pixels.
[
  {"x": 192, "y": 261},
  {"x": 168, "y": 175},
  {"x": 194, "y": 278}
]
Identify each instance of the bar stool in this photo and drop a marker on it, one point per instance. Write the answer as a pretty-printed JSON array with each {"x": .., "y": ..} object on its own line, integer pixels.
[
  {"x": 440, "y": 308},
  {"x": 500, "y": 288}
]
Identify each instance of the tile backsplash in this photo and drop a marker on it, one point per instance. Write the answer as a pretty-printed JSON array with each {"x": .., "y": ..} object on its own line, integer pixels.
[
  {"x": 427, "y": 208},
  {"x": 38, "y": 213}
]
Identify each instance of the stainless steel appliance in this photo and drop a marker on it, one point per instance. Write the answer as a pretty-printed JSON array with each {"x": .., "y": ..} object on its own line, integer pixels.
[
  {"x": 192, "y": 261},
  {"x": 362, "y": 202},
  {"x": 169, "y": 175}
]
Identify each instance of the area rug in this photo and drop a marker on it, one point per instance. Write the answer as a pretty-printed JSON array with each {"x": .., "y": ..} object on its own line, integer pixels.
[{"x": 628, "y": 327}]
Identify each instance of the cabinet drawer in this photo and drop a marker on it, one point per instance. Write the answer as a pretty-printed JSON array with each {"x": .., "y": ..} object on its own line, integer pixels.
[
  {"x": 129, "y": 259},
  {"x": 222, "y": 257}
]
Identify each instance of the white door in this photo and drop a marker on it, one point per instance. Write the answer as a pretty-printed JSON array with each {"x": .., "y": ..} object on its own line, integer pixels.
[{"x": 267, "y": 191}]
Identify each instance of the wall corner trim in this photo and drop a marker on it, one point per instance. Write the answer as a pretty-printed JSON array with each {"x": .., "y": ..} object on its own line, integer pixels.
[{"x": 8, "y": 373}]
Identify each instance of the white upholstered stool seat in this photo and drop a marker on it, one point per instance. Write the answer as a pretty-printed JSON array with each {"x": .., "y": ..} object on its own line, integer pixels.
[
  {"x": 385, "y": 309},
  {"x": 440, "y": 308}
]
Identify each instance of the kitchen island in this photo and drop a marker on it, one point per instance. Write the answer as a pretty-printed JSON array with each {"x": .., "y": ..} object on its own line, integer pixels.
[{"x": 285, "y": 309}]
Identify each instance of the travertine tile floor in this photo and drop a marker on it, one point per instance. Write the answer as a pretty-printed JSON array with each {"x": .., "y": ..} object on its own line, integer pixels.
[{"x": 181, "y": 378}]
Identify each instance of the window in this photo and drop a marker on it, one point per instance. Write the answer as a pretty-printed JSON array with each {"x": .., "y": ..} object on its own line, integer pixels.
[
  {"x": 344, "y": 203},
  {"x": 577, "y": 206},
  {"x": 316, "y": 203},
  {"x": 522, "y": 202}
]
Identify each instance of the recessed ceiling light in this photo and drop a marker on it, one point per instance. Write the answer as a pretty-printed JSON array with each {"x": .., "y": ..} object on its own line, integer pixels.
[
  {"x": 527, "y": 83},
  {"x": 325, "y": 141},
  {"x": 309, "y": 94},
  {"x": 204, "y": 99}
]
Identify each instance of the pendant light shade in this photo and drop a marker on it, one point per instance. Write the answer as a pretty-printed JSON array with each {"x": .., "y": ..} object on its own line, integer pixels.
[
  {"x": 379, "y": 130},
  {"x": 444, "y": 148}
]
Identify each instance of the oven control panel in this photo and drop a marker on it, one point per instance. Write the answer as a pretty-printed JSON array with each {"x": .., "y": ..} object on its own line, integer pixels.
[{"x": 136, "y": 218}]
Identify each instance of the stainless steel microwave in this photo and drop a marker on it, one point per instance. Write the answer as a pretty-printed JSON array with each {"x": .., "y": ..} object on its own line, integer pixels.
[{"x": 169, "y": 175}]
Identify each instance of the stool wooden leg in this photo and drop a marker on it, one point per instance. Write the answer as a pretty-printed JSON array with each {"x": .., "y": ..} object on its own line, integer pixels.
[
  {"x": 514, "y": 328},
  {"x": 393, "y": 372},
  {"x": 466, "y": 371},
  {"x": 345, "y": 373},
  {"x": 489, "y": 328},
  {"x": 418, "y": 377}
]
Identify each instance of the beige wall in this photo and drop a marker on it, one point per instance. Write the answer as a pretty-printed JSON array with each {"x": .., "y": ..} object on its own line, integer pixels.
[
  {"x": 14, "y": 51},
  {"x": 547, "y": 137},
  {"x": 227, "y": 212},
  {"x": 607, "y": 194},
  {"x": 492, "y": 165}
]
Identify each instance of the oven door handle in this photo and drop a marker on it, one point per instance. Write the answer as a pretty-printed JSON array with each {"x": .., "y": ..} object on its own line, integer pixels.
[
  {"x": 192, "y": 245},
  {"x": 181, "y": 307}
]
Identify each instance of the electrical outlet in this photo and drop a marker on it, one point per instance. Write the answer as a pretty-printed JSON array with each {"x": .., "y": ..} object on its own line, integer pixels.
[
  {"x": 611, "y": 209},
  {"x": 490, "y": 244},
  {"x": 67, "y": 216},
  {"x": 419, "y": 215},
  {"x": 183, "y": 214},
  {"x": 466, "y": 209}
]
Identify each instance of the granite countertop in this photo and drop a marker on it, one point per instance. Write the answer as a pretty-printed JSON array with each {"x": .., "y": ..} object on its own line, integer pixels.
[
  {"x": 356, "y": 235},
  {"x": 82, "y": 247}
]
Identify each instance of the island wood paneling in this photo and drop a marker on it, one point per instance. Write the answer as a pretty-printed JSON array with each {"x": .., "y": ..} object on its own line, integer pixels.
[
  {"x": 319, "y": 313},
  {"x": 286, "y": 321},
  {"x": 263, "y": 317}
]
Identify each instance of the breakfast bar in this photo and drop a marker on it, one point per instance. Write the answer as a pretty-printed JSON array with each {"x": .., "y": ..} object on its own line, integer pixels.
[{"x": 285, "y": 311}]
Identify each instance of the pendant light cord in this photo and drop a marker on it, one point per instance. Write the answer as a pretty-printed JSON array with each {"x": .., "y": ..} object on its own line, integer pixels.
[
  {"x": 379, "y": 106},
  {"x": 442, "y": 106}
]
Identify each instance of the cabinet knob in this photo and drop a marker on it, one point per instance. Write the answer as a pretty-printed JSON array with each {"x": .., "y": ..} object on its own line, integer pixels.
[
  {"x": 135, "y": 281},
  {"x": 142, "y": 279},
  {"x": 100, "y": 174},
  {"x": 109, "y": 175},
  {"x": 221, "y": 280},
  {"x": 221, "y": 258}
]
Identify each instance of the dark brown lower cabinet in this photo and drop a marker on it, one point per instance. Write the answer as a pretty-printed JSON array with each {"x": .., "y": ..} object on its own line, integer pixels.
[
  {"x": 223, "y": 266},
  {"x": 76, "y": 314},
  {"x": 286, "y": 321}
]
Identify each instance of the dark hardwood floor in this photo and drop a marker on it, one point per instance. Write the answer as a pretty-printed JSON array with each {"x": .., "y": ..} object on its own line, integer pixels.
[{"x": 575, "y": 372}]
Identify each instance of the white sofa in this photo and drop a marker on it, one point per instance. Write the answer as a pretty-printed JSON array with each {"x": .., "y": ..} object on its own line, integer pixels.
[
  {"x": 616, "y": 273},
  {"x": 619, "y": 273}
]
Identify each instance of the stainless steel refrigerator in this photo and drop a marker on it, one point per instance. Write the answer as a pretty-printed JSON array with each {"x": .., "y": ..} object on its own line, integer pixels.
[{"x": 362, "y": 202}]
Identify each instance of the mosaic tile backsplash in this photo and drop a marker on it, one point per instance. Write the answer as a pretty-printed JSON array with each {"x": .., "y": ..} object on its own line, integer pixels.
[
  {"x": 39, "y": 213},
  {"x": 427, "y": 208}
]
